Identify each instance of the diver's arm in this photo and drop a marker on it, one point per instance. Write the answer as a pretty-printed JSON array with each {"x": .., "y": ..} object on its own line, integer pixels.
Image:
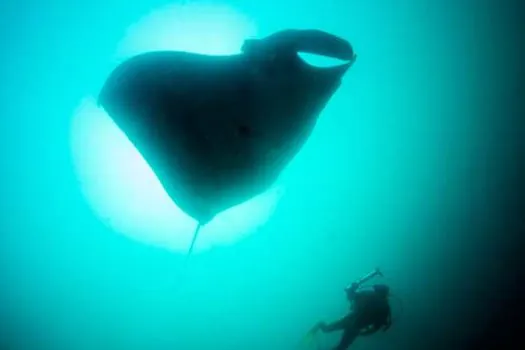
[
  {"x": 369, "y": 331},
  {"x": 336, "y": 325}
]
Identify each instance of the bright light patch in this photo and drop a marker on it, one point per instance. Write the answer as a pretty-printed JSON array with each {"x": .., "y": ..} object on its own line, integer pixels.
[
  {"x": 198, "y": 27},
  {"x": 115, "y": 178}
]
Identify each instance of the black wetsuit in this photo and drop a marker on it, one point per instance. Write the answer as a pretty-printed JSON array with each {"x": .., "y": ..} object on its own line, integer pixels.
[{"x": 370, "y": 312}]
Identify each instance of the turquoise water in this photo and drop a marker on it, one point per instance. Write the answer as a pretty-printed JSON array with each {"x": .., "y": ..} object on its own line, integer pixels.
[{"x": 406, "y": 171}]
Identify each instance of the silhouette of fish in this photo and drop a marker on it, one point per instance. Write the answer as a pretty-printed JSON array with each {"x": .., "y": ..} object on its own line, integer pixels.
[{"x": 218, "y": 130}]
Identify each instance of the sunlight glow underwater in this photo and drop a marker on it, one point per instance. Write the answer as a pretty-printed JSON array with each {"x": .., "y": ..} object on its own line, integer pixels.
[{"x": 116, "y": 180}]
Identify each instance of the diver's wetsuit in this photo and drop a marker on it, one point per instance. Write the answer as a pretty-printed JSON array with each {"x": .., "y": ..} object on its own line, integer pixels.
[{"x": 371, "y": 311}]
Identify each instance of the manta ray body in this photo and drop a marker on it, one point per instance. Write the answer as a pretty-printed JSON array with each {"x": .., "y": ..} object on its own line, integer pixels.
[{"x": 219, "y": 130}]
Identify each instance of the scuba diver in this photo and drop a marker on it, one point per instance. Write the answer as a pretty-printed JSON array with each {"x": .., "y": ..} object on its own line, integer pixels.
[{"x": 369, "y": 312}]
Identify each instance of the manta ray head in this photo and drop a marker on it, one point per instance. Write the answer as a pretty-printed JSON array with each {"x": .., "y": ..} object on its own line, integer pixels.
[{"x": 291, "y": 91}]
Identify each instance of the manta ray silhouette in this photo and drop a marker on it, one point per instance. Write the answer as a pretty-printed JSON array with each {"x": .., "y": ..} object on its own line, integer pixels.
[{"x": 218, "y": 130}]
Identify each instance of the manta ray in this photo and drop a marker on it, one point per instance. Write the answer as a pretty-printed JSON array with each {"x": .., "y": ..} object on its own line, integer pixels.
[{"x": 219, "y": 130}]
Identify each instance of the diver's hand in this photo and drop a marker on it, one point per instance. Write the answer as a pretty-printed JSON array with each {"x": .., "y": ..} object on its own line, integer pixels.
[{"x": 320, "y": 326}]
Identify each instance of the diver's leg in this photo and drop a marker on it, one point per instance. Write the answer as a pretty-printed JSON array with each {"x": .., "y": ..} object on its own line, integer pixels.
[{"x": 347, "y": 339}]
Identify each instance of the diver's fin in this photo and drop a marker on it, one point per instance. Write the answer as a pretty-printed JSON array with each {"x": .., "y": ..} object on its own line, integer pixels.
[
  {"x": 306, "y": 341},
  {"x": 309, "y": 340}
]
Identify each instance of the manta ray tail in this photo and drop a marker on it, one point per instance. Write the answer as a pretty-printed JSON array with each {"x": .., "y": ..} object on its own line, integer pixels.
[
  {"x": 183, "y": 272},
  {"x": 194, "y": 239}
]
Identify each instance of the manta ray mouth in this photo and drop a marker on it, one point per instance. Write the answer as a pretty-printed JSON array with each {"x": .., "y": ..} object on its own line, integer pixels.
[
  {"x": 320, "y": 61},
  {"x": 320, "y": 43},
  {"x": 310, "y": 41}
]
